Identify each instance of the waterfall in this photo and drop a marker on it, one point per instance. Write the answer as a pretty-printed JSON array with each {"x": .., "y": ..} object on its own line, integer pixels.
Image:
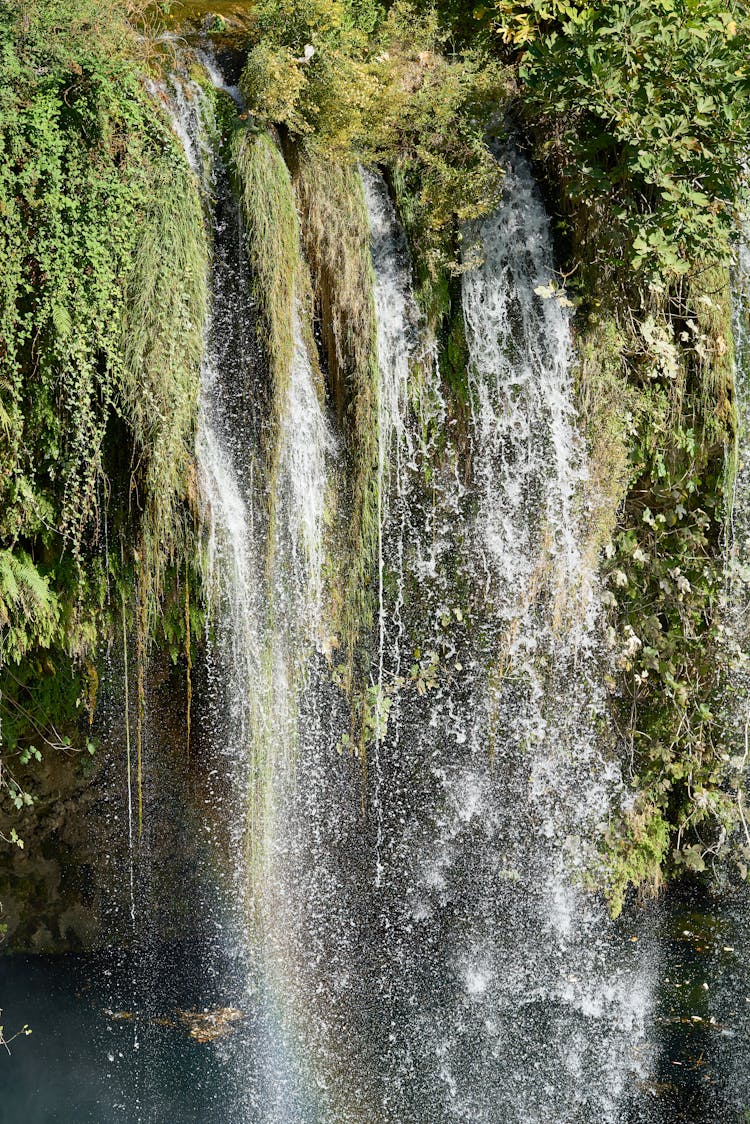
[
  {"x": 264, "y": 577},
  {"x": 507, "y": 991},
  {"x": 306, "y": 445},
  {"x": 529, "y": 471},
  {"x": 437, "y": 959},
  {"x": 262, "y": 615},
  {"x": 340, "y": 859},
  {"x": 397, "y": 318},
  {"x": 529, "y": 463}
]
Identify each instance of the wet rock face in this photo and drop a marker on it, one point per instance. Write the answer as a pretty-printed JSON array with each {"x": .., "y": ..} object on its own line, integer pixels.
[
  {"x": 222, "y": 26},
  {"x": 54, "y": 889},
  {"x": 69, "y": 888}
]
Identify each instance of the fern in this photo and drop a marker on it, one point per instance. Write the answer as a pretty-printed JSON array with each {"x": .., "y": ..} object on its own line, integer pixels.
[
  {"x": 62, "y": 321},
  {"x": 10, "y": 594},
  {"x": 29, "y": 609}
]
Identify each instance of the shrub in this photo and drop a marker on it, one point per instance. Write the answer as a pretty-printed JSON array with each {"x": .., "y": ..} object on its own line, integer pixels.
[{"x": 643, "y": 106}]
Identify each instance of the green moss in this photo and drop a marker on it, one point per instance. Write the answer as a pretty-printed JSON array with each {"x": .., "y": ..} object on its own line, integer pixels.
[
  {"x": 608, "y": 410},
  {"x": 273, "y": 244},
  {"x": 336, "y": 236},
  {"x": 162, "y": 345},
  {"x": 281, "y": 282},
  {"x": 635, "y": 850},
  {"x": 708, "y": 324}
]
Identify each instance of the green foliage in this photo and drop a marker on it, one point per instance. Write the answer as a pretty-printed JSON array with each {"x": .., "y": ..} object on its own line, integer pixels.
[
  {"x": 642, "y": 107},
  {"x": 161, "y": 347},
  {"x": 635, "y": 849},
  {"x": 273, "y": 244},
  {"x": 665, "y": 572},
  {"x": 329, "y": 96},
  {"x": 272, "y": 84},
  {"x": 609, "y": 412},
  {"x": 103, "y": 295},
  {"x": 102, "y": 305},
  {"x": 435, "y": 140},
  {"x": 95, "y": 323},
  {"x": 382, "y": 90},
  {"x": 24, "y": 593},
  {"x": 656, "y": 395}
]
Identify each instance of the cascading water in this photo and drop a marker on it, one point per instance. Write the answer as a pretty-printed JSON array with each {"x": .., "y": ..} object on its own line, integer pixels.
[
  {"x": 264, "y": 576},
  {"x": 359, "y": 891},
  {"x": 511, "y": 994},
  {"x": 397, "y": 319},
  {"x": 434, "y": 960},
  {"x": 528, "y": 464},
  {"x": 440, "y": 959}
]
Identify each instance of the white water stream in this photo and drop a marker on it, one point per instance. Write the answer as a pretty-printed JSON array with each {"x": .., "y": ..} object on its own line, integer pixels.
[
  {"x": 263, "y": 573},
  {"x": 511, "y": 995},
  {"x": 529, "y": 459}
]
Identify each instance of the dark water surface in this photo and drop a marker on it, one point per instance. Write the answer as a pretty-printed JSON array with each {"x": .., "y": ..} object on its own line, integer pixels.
[
  {"x": 702, "y": 1017},
  {"x": 99, "y": 1053},
  {"x": 108, "y": 1044}
]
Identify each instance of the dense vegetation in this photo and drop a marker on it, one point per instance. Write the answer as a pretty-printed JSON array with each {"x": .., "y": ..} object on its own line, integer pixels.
[
  {"x": 637, "y": 112},
  {"x": 385, "y": 88},
  {"x": 636, "y": 115},
  {"x": 101, "y": 319}
]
